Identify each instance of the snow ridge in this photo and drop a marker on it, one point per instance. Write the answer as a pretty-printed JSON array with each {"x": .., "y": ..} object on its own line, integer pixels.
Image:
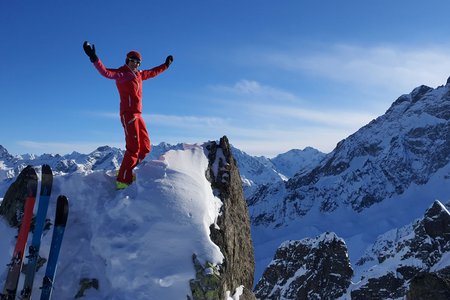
[{"x": 138, "y": 243}]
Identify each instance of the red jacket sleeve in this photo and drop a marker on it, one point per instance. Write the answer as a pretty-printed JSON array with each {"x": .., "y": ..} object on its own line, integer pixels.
[
  {"x": 146, "y": 74},
  {"x": 112, "y": 73}
]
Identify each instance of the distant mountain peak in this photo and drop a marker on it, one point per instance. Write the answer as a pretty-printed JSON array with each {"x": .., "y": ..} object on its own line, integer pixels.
[
  {"x": 104, "y": 148},
  {"x": 4, "y": 153}
]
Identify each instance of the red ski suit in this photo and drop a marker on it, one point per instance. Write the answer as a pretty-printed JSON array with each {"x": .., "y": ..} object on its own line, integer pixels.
[{"x": 129, "y": 85}]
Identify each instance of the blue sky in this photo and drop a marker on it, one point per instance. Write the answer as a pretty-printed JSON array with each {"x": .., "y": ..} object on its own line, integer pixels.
[{"x": 271, "y": 75}]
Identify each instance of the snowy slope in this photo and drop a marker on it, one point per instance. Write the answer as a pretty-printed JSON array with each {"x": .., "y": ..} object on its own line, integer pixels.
[{"x": 137, "y": 242}]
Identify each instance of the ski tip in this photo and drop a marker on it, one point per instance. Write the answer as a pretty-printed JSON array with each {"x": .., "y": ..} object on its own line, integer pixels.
[
  {"x": 46, "y": 169},
  {"x": 62, "y": 210},
  {"x": 31, "y": 178},
  {"x": 63, "y": 199},
  {"x": 30, "y": 172},
  {"x": 47, "y": 179}
]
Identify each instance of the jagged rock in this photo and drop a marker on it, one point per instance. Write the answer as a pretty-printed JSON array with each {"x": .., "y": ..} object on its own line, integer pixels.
[
  {"x": 388, "y": 286},
  {"x": 233, "y": 232},
  {"x": 404, "y": 253},
  {"x": 85, "y": 284},
  {"x": 434, "y": 286},
  {"x": 316, "y": 268},
  {"x": 40, "y": 262},
  {"x": 206, "y": 285},
  {"x": 436, "y": 221},
  {"x": 12, "y": 205}
]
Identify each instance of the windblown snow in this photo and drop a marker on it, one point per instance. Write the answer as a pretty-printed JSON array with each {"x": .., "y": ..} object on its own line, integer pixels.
[{"x": 138, "y": 243}]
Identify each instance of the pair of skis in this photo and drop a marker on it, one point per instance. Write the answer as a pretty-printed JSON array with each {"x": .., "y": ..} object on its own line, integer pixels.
[{"x": 15, "y": 267}]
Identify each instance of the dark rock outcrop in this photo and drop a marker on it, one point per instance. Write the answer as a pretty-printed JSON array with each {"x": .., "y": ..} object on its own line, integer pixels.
[
  {"x": 233, "y": 232},
  {"x": 12, "y": 205},
  {"x": 316, "y": 268},
  {"x": 434, "y": 286}
]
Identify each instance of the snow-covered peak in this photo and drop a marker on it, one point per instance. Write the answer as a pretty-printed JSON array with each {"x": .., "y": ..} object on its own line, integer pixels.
[
  {"x": 258, "y": 171},
  {"x": 323, "y": 238},
  {"x": 297, "y": 161},
  {"x": 4, "y": 154}
]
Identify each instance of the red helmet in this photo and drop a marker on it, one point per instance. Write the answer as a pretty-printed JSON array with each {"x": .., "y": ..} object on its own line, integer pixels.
[{"x": 134, "y": 54}]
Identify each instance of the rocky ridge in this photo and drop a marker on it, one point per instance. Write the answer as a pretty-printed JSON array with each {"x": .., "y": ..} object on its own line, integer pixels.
[{"x": 233, "y": 232}]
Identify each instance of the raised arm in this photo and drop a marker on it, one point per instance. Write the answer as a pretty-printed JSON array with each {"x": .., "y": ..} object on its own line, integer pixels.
[
  {"x": 146, "y": 74},
  {"x": 108, "y": 73},
  {"x": 112, "y": 73}
]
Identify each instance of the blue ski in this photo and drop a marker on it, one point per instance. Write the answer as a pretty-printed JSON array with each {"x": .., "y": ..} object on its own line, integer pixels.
[
  {"x": 41, "y": 215},
  {"x": 62, "y": 212}
]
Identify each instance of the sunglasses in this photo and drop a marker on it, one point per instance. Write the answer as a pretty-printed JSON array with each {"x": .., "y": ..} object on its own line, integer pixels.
[{"x": 136, "y": 61}]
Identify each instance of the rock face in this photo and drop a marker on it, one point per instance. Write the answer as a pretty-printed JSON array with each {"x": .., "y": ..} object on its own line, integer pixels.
[
  {"x": 307, "y": 269},
  {"x": 12, "y": 205},
  {"x": 434, "y": 286},
  {"x": 410, "y": 254},
  {"x": 233, "y": 235}
]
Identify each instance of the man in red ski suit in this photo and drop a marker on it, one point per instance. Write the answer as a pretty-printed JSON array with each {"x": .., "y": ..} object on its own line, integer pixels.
[{"x": 129, "y": 84}]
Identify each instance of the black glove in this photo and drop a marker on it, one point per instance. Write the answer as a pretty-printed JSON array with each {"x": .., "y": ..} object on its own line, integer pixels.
[
  {"x": 90, "y": 51},
  {"x": 169, "y": 60}
]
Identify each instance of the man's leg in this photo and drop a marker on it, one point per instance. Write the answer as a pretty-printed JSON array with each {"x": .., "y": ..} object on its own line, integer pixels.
[
  {"x": 144, "y": 140},
  {"x": 131, "y": 125}
]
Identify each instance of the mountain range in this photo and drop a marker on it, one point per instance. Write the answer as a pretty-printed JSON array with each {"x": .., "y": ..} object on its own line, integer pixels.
[{"x": 381, "y": 177}]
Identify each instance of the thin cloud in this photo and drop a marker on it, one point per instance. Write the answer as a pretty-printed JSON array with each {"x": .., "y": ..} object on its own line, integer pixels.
[
  {"x": 184, "y": 121},
  {"x": 332, "y": 118},
  {"x": 254, "y": 90},
  {"x": 259, "y": 113},
  {"x": 392, "y": 67}
]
